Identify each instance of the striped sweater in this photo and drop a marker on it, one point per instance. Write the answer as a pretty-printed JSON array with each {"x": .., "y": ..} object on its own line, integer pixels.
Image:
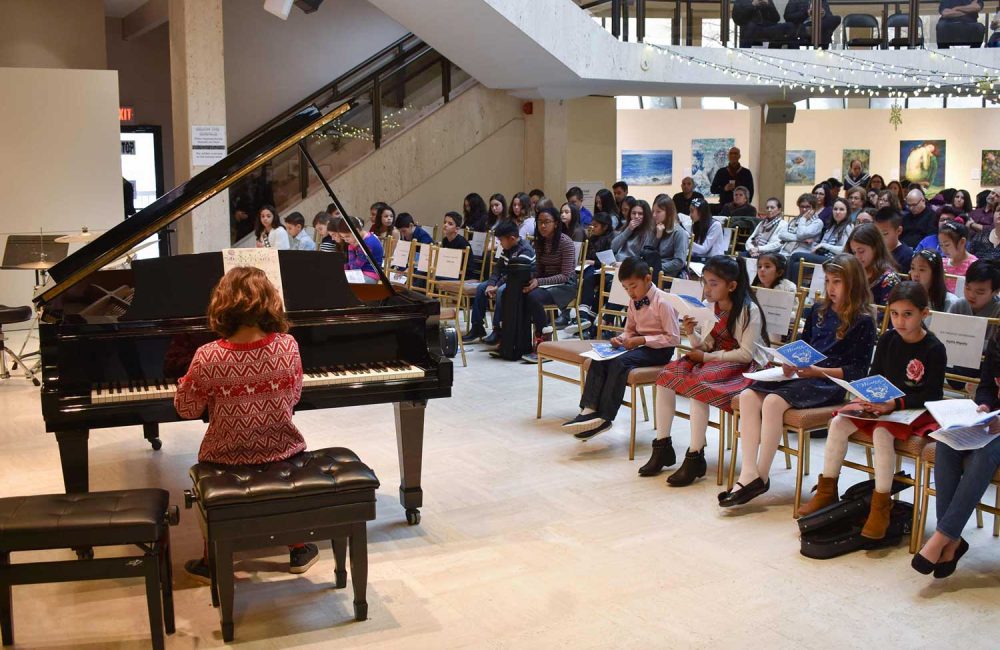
[{"x": 556, "y": 266}]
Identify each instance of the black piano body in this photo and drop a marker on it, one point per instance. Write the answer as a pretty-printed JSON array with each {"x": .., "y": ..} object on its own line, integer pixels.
[{"x": 114, "y": 341}]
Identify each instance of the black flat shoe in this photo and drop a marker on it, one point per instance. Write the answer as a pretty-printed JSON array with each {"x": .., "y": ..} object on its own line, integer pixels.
[
  {"x": 746, "y": 493},
  {"x": 584, "y": 436},
  {"x": 945, "y": 569},
  {"x": 922, "y": 565}
]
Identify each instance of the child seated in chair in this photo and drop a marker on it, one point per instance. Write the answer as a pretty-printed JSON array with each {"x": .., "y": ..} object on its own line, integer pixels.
[
  {"x": 651, "y": 332},
  {"x": 249, "y": 380},
  {"x": 514, "y": 250}
]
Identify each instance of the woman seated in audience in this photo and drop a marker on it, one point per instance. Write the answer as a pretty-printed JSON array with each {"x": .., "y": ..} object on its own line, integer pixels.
[
  {"x": 600, "y": 239},
  {"x": 897, "y": 190},
  {"x": 961, "y": 478},
  {"x": 771, "y": 273},
  {"x": 570, "y": 217},
  {"x": 711, "y": 374},
  {"x": 475, "y": 214},
  {"x": 356, "y": 258},
  {"x": 913, "y": 360},
  {"x": 842, "y": 327},
  {"x": 927, "y": 268},
  {"x": 981, "y": 218},
  {"x": 953, "y": 237},
  {"x": 638, "y": 234},
  {"x": 374, "y": 210},
  {"x": 707, "y": 236},
  {"x": 888, "y": 199},
  {"x": 865, "y": 216},
  {"x": 604, "y": 201},
  {"x": 270, "y": 233},
  {"x": 856, "y": 199},
  {"x": 625, "y": 206},
  {"x": 521, "y": 214},
  {"x": 554, "y": 282},
  {"x": 871, "y": 201},
  {"x": 498, "y": 211},
  {"x": 962, "y": 201},
  {"x": 824, "y": 199},
  {"x": 804, "y": 230},
  {"x": 876, "y": 183},
  {"x": 866, "y": 244},
  {"x": 385, "y": 223},
  {"x": 831, "y": 241},
  {"x": 672, "y": 240},
  {"x": 765, "y": 236},
  {"x": 986, "y": 245}
]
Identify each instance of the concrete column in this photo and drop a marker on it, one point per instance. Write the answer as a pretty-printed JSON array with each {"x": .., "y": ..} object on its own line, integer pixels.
[
  {"x": 766, "y": 157},
  {"x": 580, "y": 143},
  {"x": 198, "y": 97}
]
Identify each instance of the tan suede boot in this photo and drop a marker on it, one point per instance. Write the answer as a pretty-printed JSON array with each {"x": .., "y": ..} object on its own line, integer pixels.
[
  {"x": 878, "y": 516},
  {"x": 826, "y": 493}
]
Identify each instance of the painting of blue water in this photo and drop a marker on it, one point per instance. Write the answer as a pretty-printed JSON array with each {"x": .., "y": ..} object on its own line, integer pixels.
[{"x": 651, "y": 167}]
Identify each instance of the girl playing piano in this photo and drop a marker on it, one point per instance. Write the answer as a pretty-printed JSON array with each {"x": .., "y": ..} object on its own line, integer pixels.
[{"x": 249, "y": 380}]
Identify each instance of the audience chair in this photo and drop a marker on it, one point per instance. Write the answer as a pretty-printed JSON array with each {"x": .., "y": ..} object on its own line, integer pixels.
[
  {"x": 450, "y": 263},
  {"x": 861, "y": 22},
  {"x": 731, "y": 237},
  {"x": 553, "y": 310},
  {"x": 967, "y": 381},
  {"x": 960, "y": 34},
  {"x": 399, "y": 265},
  {"x": 421, "y": 266},
  {"x": 927, "y": 491},
  {"x": 900, "y": 24}
]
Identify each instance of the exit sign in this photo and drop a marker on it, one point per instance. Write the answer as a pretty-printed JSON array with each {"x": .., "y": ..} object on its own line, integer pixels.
[{"x": 126, "y": 113}]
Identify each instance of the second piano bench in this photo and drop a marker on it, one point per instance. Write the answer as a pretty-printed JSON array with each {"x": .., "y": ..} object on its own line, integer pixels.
[
  {"x": 82, "y": 521},
  {"x": 312, "y": 496}
]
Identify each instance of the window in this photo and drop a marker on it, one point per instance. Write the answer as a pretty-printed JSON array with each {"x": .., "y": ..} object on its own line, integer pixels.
[
  {"x": 623, "y": 102},
  {"x": 955, "y": 101},
  {"x": 718, "y": 103}
]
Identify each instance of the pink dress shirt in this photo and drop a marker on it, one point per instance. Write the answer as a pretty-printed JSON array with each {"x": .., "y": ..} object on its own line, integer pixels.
[{"x": 657, "y": 322}]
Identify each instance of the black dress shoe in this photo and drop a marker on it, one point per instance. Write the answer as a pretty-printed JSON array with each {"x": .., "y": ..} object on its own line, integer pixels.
[
  {"x": 583, "y": 421},
  {"x": 945, "y": 569},
  {"x": 746, "y": 493},
  {"x": 922, "y": 565},
  {"x": 493, "y": 338},
  {"x": 477, "y": 332},
  {"x": 691, "y": 469},
  {"x": 584, "y": 436}
]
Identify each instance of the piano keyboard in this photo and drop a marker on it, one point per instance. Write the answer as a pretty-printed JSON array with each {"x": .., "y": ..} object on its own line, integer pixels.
[{"x": 353, "y": 373}]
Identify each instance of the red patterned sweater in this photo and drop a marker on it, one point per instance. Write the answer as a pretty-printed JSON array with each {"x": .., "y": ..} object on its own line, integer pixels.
[{"x": 249, "y": 389}]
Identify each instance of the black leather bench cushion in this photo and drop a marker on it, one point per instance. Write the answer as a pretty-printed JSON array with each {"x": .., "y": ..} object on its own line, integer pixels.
[
  {"x": 333, "y": 471},
  {"x": 74, "y": 520}
]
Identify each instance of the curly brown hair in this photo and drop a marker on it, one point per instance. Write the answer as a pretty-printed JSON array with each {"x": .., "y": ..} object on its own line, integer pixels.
[{"x": 244, "y": 297}]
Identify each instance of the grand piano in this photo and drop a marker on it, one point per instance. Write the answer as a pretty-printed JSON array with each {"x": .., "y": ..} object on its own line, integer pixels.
[{"x": 114, "y": 338}]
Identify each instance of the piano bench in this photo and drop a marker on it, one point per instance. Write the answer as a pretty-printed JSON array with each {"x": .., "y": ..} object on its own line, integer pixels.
[
  {"x": 82, "y": 521},
  {"x": 312, "y": 496}
]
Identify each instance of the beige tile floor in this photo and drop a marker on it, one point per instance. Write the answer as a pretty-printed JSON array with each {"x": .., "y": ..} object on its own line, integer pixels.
[{"x": 529, "y": 539}]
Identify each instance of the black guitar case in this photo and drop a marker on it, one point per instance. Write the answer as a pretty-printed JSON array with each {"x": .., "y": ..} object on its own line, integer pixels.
[
  {"x": 836, "y": 529},
  {"x": 516, "y": 339}
]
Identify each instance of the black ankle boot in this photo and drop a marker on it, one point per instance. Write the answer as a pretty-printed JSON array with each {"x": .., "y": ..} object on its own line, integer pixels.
[
  {"x": 663, "y": 456},
  {"x": 692, "y": 468}
]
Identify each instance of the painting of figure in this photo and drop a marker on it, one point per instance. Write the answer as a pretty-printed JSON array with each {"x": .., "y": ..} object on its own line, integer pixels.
[
  {"x": 990, "y": 173},
  {"x": 708, "y": 155},
  {"x": 923, "y": 162},
  {"x": 800, "y": 167},
  {"x": 647, "y": 167}
]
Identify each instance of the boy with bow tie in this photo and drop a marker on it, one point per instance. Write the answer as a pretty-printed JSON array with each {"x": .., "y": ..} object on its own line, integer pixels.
[{"x": 651, "y": 332}]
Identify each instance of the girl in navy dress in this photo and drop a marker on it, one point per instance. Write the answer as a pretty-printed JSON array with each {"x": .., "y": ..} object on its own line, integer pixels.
[{"x": 842, "y": 328}]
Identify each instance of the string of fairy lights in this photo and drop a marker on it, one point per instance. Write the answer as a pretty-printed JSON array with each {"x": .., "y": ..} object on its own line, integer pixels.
[{"x": 845, "y": 74}]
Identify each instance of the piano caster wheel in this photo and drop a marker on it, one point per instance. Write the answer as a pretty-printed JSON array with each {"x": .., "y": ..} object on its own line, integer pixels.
[
  {"x": 36, "y": 382},
  {"x": 156, "y": 444},
  {"x": 84, "y": 553},
  {"x": 13, "y": 366},
  {"x": 413, "y": 516}
]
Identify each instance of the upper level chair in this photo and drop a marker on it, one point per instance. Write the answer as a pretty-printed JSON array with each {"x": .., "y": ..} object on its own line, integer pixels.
[
  {"x": 861, "y": 22},
  {"x": 900, "y": 23},
  {"x": 961, "y": 33}
]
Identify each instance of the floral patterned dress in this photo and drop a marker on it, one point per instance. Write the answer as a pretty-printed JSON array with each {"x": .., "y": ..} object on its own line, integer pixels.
[{"x": 883, "y": 285}]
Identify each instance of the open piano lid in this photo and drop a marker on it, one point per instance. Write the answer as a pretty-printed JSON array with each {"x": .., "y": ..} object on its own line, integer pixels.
[{"x": 120, "y": 239}]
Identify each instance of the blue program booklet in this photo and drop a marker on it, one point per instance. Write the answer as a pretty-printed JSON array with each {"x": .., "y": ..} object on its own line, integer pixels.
[
  {"x": 875, "y": 389},
  {"x": 797, "y": 353}
]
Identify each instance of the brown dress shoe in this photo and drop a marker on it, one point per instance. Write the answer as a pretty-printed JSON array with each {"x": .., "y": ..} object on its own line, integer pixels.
[
  {"x": 826, "y": 494},
  {"x": 878, "y": 516}
]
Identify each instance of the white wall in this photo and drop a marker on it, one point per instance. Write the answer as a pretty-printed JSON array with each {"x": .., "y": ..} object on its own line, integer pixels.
[
  {"x": 967, "y": 131},
  {"x": 271, "y": 63},
  {"x": 62, "y": 168}
]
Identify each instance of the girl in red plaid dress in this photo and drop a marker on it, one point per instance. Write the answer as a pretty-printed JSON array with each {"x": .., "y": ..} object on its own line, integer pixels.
[{"x": 712, "y": 372}]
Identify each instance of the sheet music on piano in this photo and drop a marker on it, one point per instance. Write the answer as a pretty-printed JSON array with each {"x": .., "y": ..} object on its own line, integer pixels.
[{"x": 265, "y": 259}]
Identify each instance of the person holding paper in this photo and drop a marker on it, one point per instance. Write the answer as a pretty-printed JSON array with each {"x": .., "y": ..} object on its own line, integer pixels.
[
  {"x": 771, "y": 273},
  {"x": 356, "y": 257},
  {"x": 451, "y": 230},
  {"x": 961, "y": 478},
  {"x": 598, "y": 246},
  {"x": 841, "y": 327},
  {"x": 911, "y": 359},
  {"x": 712, "y": 372},
  {"x": 707, "y": 238},
  {"x": 554, "y": 279},
  {"x": 982, "y": 283},
  {"x": 651, "y": 332}
]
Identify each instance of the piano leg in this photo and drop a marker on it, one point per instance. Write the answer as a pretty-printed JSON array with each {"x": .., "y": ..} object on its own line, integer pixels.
[
  {"x": 73, "y": 457},
  {"x": 410, "y": 444},
  {"x": 151, "y": 432}
]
